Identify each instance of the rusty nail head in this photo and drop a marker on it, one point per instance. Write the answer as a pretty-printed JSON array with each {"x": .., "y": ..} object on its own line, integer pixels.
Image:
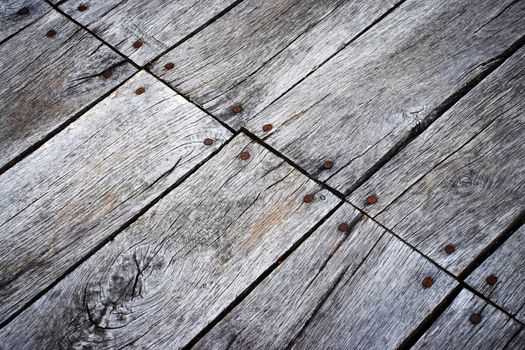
[
  {"x": 343, "y": 227},
  {"x": 492, "y": 280},
  {"x": 169, "y": 65},
  {"x": 328, "y": 164},
  {"x": 107, "y": 73},
  {"x": 208, "y": 142},
  {"x": 24, "y": 11},
  {"x": 237, "y": 109},
  {"x": 267, "y": 127},
  {"x": 372, "y": 199},
  {"x": 475, "y": 318},
  {"x": 51, "y": 33},
  {"x": 308, "y": 198},
  {"x": 140, "y": 90},
  {"x": 137, "y": 44},
  {"x": 449, "y": 249},
  {"x": 245, "y": 155},
  {"x": 427, "y": 282},
  {"x": 82, "y": 7}
]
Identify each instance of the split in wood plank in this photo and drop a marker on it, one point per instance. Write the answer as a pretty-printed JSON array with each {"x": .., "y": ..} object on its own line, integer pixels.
[
  {"x": 17, "y": 14},
  {"x": 168, "y": 275},
  {"x": 51, "y": 71},
  {"x": 85, "y": 183},
  {"x": 459, "y": 185}
]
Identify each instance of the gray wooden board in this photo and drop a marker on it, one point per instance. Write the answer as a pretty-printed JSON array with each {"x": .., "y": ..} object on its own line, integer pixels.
[
  {"x": 257, "y": 51},
  {"x": 507, "y": 264},
  {"x": 13, "y": 17},
  {"x": 82, "y": 185},
  {"x": 157, "y": 24},
  {"x": 372, "y": 282},
  {"x": 46, "y": 81},
  {"x": 454, "y": 330},
  {"x": 518, "y": 343},
  {"x": 370, "y": 96},
  {"x": 163, "y": 279},
  {"x": 461, "y": 181}
]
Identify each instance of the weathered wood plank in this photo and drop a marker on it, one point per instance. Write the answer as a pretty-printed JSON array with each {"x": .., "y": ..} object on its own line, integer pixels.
[
  {"x": 86, "y": 182},
  {"x": 47, "y": 80},
  {"x": 156, "y": 24},
  {"x": 259, "y": 50},
  {"x": 470, "y": 323},
  {"x": 461, "y": 182},
  {"x": 17, "y": 14},
  {"x": 373, "y": 286},
  {"x": 517, "y": 342},
  {"x": 367, "y": 99},
  {"x": 501, "y": 278},
  {"x": 163, "y": 279}
]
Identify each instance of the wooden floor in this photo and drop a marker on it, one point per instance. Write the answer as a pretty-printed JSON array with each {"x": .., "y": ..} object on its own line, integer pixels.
[{"x": 288, "y": 174}]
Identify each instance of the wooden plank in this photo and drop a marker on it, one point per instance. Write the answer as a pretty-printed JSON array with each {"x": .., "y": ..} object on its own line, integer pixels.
[
  {"x": 156, "y": 24},
  {"x": 18, "y": 14},
  {"x": 85, "y": 183},
  {"x": 47, "y": 80},
  {"x": 163, "y": 279},
  {"x": 517, "y": 342},
  {"x": 259, "y": 50},
  {"x": 456, "y": 328},
  {"x": 507, "y": 289},
  {"x": 370, "y": 97},
  {"x": 356, "y": 290},
  {"x": 461, "y": 182}
]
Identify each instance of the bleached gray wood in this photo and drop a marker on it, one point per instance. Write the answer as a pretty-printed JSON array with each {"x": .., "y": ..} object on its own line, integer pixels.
[
  {"x": 158, "y": 24},
  {"x": 453, "y": 329},
  {"x": 260, "y": 49},
  {"x": 367, "y": 99},
  {"x": 82, "y": 185},
  {"x": 46, "y": 81},
  {"x": 371, "y": 280},
  {"x": 12, "y": 21},
  {"x": 508, "y": 265},
  {"x": 517, "y": 342},
  {"x": 163, "y": 279},
  {"x": 461, "y": 181}
]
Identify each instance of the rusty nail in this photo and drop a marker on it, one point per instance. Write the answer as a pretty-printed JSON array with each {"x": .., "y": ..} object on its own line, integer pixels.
[
  {"x": 24, "y": 11},
  {"x": 449, "y": 249},
  {"x": 308, "y": 198},
  {"x": 107, "y": 73},
  {"x": 82, "y": 7},
  {"x": 267, "y": 127},
  {"x": 51, "y": 33},
  {"x": 245, "y": 156},
  {"x": 343, "y": 227},
  {"x": 237, "y": 109},
  {"x": 169, "y": 65},
  {"x": 137, "y": 44},
  {"x": 372, "y": 199},
  {"x": 328, "y": 164},
  {"x": 208, "y": 142},
  {"x": 475, "y": 318},
  {"x": 492, "y": 280},
  {"x": 140, "y": 90},
  {"x": 427, "y": 282}
]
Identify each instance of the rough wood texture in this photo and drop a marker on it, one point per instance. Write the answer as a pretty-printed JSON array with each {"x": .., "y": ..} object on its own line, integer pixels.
[
  {"x": 517, "y": 342},
  {"x": 371, "y": 95},
  {"x": 47, "y": 80},
  {"x": 82, "y": 185},
  {"x": 461, "y": 181},
  {"x": 507, "y": 265},
  {"x": 259, "y": 50},
  {"x": 157, "y": 24},
  {"x": 17, "y": 14},
  {"x": 372, "y": 283},
  {"x": 162, "y": 280},
  {"x": 453, "y": 329}
]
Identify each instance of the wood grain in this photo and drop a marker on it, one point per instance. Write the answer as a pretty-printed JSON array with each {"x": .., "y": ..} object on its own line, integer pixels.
[
  {"x": 370, "y": 97},
  {"x": 18, "y": 14},
  {"x": 454, "y": 330},
  {"x": 47, "y": 80},
  {"x": 507, "y": 265},
  {"x": 86, "y": 182},
  {"x": 359, "y": 289},
  {"x": 163, "y": 279},
  {"x": 157, "y": 24},
  {"x": 461, "y": 181},
  {"x": 259, "y": 50}
]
